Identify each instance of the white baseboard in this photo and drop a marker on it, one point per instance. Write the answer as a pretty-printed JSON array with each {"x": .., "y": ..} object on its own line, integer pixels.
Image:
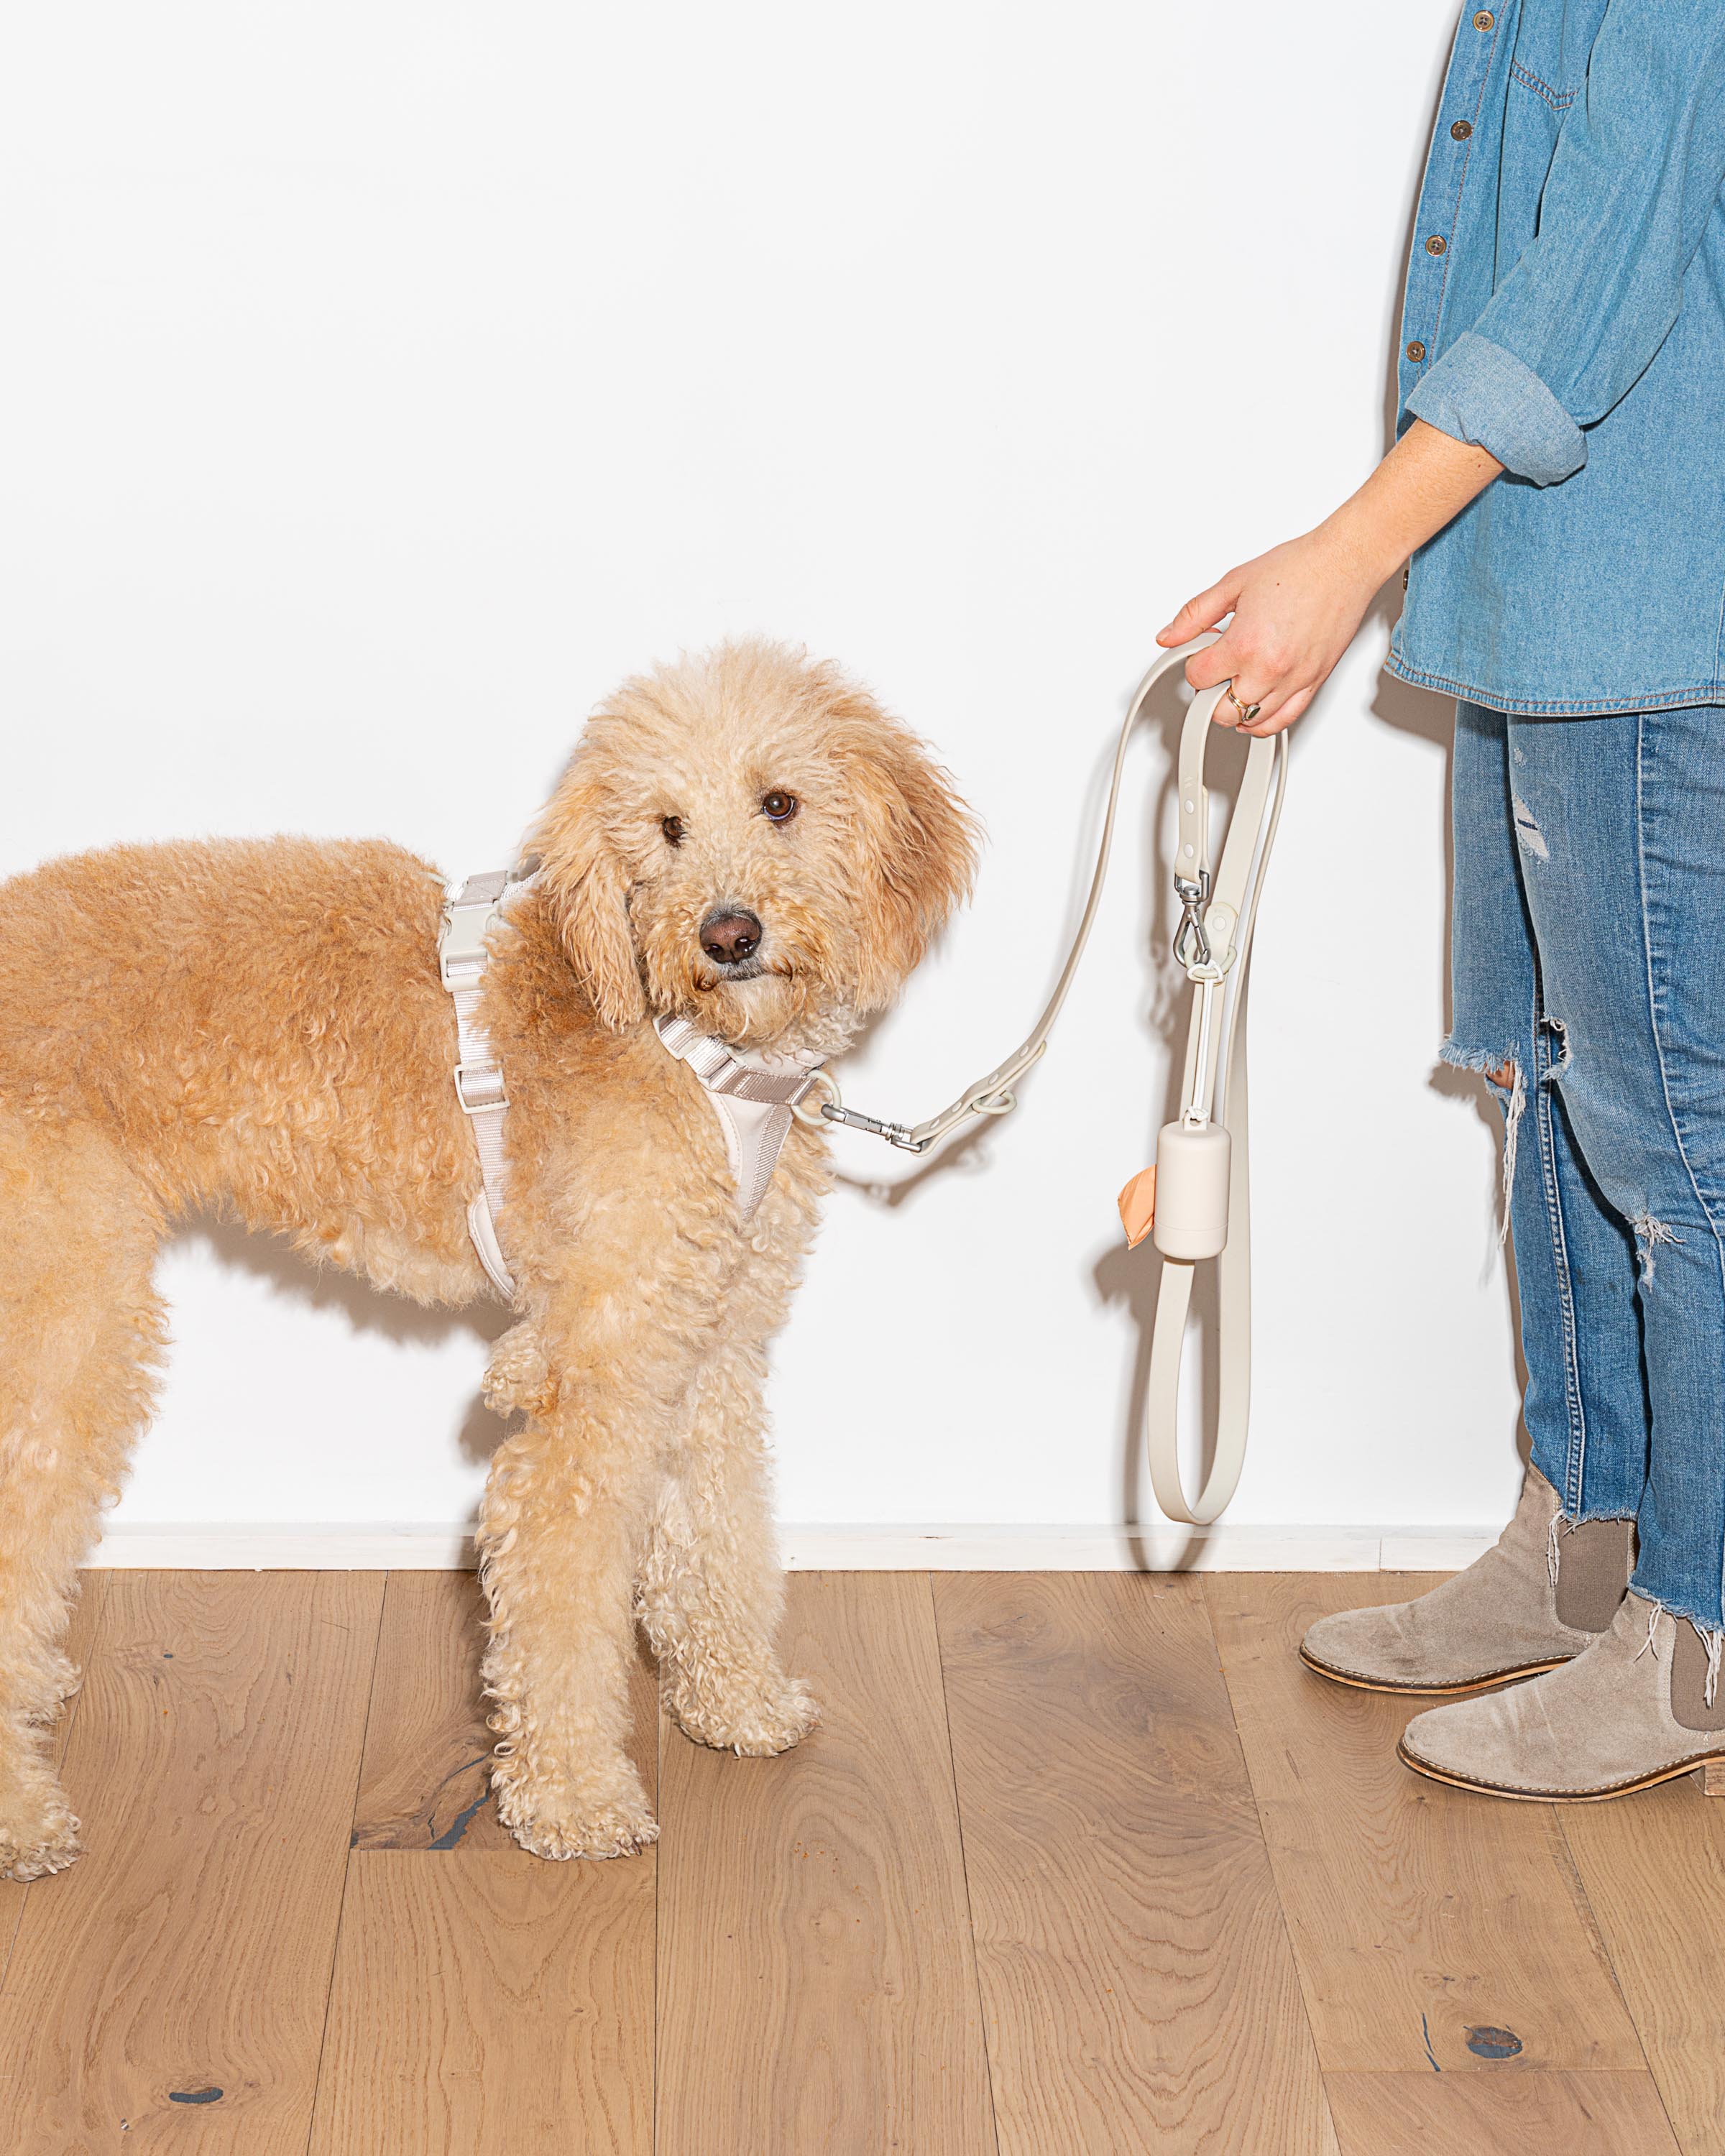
[{"x": 1228, "y": 1547}]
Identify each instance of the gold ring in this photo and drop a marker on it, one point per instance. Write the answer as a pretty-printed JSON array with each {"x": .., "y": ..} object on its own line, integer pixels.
[{"x": 1248, "y": 712}]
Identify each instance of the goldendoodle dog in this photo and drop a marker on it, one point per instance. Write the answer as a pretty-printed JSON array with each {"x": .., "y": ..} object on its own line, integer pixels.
[{"x": 258, "y": 1030}]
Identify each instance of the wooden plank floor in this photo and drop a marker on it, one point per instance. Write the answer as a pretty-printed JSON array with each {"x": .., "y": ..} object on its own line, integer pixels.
[
  {"x": 1135, "y": 1970},
  {"x": 816, "y": 1988},
  {"x": 1076, "y": 1863}
]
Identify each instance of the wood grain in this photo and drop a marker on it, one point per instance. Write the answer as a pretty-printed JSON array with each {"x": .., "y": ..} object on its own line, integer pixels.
[
  {"x": 485, "y": 2002},
  {"x": 1534, "y": 2114},
  {"x": 488, "y": 2003},
  {"x": 425, "y": 1782},
  {"x": 816, "y": 1988},
  {"x": 1136, "y": 1978},
  {"x": 1424, "y": 1919},
  {"x": 1654, "y": 1869},
  {"x": 213, "y": 1761},
  {"x": 80, "y": 1645}
]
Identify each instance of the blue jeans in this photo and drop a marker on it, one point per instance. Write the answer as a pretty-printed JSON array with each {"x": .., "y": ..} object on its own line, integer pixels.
[{"x": 1589, "y": 956}]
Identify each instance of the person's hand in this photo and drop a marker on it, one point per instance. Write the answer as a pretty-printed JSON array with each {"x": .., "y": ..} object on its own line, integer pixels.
[
  {"x": 1296, "y": 611},
  {"x": 1298, "y": 607}
]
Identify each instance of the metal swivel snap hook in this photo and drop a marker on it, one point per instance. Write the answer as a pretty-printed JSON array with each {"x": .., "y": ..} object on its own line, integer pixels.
[
  {"x": 833, "y": 1110},
  {"x": 1193, "y": 898}
]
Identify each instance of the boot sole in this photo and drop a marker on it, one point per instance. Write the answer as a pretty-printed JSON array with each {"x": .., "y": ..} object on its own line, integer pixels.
[
  {"x": 1713, "y": 1761},
  {"x": 1428, "y": 1691}
]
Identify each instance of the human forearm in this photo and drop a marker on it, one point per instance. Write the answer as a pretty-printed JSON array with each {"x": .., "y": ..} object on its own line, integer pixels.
[{"x": 1427, "y": 479}]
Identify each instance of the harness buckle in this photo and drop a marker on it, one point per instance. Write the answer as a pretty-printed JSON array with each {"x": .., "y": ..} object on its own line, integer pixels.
[
  {"x": 1193, "y": 898},
  {"x": 478, "y": 1087},
  {"x": 461, "y": 948}
]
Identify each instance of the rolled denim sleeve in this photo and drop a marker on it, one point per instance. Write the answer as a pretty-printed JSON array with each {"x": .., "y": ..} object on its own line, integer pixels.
[
  {"x": 1637, "y": 171},
  {"x": 1481, "y": 393}
]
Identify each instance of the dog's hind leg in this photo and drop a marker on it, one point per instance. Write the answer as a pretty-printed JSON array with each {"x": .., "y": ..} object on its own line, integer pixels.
[
  {"x": 80, "y": 1332},
  {"x": 712, "y": 1590}
]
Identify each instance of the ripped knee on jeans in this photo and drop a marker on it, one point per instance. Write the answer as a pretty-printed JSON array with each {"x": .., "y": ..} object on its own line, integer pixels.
[
  {"x": 1504, "y": 1071},
  {"x": 1649, "y": 1234}
]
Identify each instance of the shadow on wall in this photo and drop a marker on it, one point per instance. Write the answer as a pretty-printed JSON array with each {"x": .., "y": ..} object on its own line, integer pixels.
[{"x": 366, "y": 1310}]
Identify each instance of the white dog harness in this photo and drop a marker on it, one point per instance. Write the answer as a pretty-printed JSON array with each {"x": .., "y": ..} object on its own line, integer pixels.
[{"x": 752, "y": 1093}]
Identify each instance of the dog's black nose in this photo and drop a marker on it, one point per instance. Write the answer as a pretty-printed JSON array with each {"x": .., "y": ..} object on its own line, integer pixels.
[{"x": 727, "y": 937}]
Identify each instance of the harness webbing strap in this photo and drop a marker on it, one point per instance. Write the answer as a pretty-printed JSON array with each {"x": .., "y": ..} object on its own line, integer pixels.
[{"x": 479, "y": 1081}]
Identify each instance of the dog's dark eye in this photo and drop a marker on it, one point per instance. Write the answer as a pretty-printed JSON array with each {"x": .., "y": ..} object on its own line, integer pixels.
[
  {"x": 778, "y": 807},
  {"x": 672, "y": 827}
]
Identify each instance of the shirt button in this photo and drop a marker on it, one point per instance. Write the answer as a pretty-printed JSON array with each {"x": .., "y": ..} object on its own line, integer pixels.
[
  {"x": 1416, "y": 352},
  {"x": 1484, "y": 19},
  {"x": 1437, "y": 244},
  {"x": 1461, "y": 130}
]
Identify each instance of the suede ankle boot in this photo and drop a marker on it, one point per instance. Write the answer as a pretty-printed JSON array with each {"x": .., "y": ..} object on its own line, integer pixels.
[
  {"x": 1642, "y": 1704},
  {"x": 1544, "y": 1592}
]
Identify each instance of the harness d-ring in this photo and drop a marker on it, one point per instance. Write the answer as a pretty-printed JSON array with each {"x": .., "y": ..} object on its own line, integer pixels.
[{"x": 814, "y": 1112}]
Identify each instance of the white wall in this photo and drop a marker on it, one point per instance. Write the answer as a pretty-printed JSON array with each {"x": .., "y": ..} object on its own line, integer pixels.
[{"x": 382, "y": 381}]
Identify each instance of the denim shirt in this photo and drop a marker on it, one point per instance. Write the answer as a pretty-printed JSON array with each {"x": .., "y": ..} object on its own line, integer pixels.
[{"x": 1565, "y": 310}]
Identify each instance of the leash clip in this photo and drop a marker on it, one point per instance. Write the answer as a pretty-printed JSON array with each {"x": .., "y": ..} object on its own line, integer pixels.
[
  {"x": 854, "y": 1119},
  {"x": 1193, "y": 898}
]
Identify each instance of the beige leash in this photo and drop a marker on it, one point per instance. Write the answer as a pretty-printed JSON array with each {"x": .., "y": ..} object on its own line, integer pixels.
[{"x": 1196, "y": 1201}]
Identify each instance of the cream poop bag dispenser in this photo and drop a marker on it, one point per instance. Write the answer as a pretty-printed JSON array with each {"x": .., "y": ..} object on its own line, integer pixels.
[{"x": 1195, "y": 1202}]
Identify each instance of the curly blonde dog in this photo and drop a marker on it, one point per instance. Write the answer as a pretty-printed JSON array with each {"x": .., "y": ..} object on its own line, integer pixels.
[{"x": 257, "y": 1029}]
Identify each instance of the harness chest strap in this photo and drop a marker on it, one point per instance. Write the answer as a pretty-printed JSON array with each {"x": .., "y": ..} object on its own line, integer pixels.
[
  {"x": 479, "y": 1081},
  {"x": 752, "y": 1094}
]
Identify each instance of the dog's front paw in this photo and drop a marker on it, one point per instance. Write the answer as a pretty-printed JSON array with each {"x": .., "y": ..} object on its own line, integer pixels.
[
  {"x": 756, "y": 1720},
  {"x": 611, "y": 1830},
  {"x": 37, "y": 1833},
  {"x": 62, "y": 1679},
  {"x": 594, "y": 1822}
]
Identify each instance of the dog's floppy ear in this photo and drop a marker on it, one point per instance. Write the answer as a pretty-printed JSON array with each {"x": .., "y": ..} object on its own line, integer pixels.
[
  {"x": 588, "y": 888},
  {"x": 917, "y": 850}
]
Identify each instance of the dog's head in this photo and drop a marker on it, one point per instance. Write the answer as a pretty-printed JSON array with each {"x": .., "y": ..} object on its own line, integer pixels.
[{"x": 748, "y": 840}]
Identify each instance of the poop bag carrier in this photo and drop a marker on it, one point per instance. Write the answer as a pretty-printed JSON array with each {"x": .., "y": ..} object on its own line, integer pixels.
[{"x": 1195, "y": 1202}]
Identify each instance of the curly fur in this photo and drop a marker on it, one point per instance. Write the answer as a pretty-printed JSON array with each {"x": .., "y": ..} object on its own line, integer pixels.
[{"x": 257, "y": 1029}]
